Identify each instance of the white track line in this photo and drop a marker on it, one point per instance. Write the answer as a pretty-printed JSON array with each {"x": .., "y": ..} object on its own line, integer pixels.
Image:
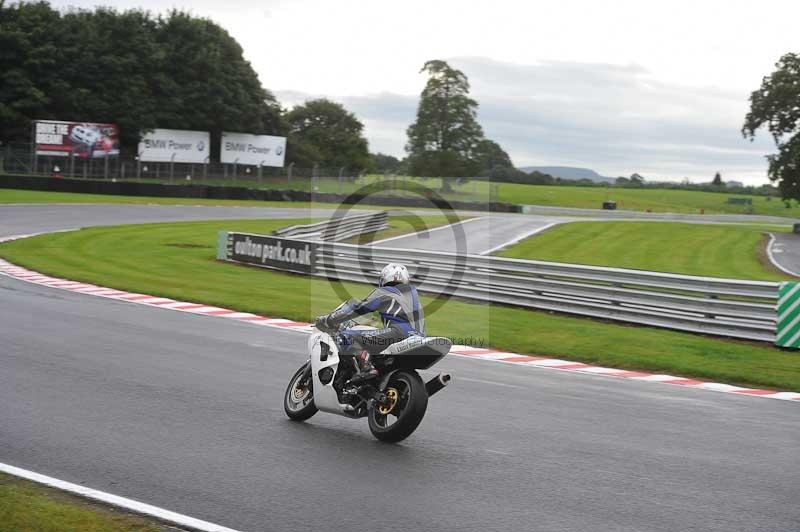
[
  {"x": 519, "y": 239},
  {"x": 425, "y": 231},
  {"x": 774, "y": 262},
  {"x": 115, "y": 500}
]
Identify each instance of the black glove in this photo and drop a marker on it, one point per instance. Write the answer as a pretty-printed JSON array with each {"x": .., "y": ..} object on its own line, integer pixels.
[{"x": 321, "y": 323}]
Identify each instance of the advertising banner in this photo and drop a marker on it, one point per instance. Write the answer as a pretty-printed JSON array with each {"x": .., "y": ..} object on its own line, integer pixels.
[
  {"x": 267, "y": 251},
  {"x": 175, "y": 145},
  {"x": 256, "y": 150},
  {"x": 86, "y": 140}
]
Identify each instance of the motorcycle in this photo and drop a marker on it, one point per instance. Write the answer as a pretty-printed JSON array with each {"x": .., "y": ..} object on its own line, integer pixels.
[{"x": 394, "y": 403}]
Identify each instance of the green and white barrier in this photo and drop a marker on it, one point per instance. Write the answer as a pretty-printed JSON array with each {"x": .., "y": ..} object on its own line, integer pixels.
[{"x": 787, "y": 333}]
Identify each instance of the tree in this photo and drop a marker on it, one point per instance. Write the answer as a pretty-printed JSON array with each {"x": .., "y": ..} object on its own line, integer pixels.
[
  {"x": 130, "y": 68},
  {"x": 717, "y": 180},
  {"x": 383, "y": 163},
  {"x": 323, "y": 132},
  {"x": 207, "y": 84},
  {"x": 777, "y": 104},
  {"x": 636, "y": 180},
  {"x": 444, "y": 138},
  {"x": 488, "y": 155},
  {"x": 538, "y": 178},
  {"x": 27, "y": 76}
]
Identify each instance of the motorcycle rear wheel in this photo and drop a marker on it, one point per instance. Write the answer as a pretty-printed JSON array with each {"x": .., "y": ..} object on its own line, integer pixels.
[
  {"x": 404, "y": 414},
  {"x": 298, "y": 401}
]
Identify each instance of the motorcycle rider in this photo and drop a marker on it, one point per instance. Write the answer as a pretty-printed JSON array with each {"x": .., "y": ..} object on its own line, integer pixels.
[{"x": 398, "y": 304}]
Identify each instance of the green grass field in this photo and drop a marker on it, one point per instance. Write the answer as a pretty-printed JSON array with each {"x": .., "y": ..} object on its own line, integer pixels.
[
  {"x": 731, "y": 251},
  {"x": 655, "y": 200},
  {"x": 29, "y": 507},
  {"x": 177, "y": 261},
  {"x": 13, "y": 196}
]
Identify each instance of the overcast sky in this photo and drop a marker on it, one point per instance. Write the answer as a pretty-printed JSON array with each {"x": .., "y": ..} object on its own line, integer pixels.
[{"x": 616, "y": 86}]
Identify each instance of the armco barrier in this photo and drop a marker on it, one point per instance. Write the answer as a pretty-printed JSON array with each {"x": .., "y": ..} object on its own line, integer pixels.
[
  {"x": 338, "y": 229},
  {"x": 725, "y": 307},
  {"x": 134, "y": 188}
]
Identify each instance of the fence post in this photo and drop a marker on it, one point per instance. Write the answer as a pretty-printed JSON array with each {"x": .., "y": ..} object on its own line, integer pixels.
[
  {"x": 105, "y": 167},
  {"x": 341, "y": 171},
  {"x": 289, "y": 174},
  {"x": 171, "y": 166},
  {"x": 260, "y": 172},
  {"x": 235, "y": 167},
  {"x": 206, "y": 162},
  {"x": 314, "y": 173}
]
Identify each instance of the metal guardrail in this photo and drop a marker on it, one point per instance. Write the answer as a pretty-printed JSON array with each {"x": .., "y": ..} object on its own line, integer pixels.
[
  {"x": 725, "y": 307},
  {"x": 337, "y": 229}
]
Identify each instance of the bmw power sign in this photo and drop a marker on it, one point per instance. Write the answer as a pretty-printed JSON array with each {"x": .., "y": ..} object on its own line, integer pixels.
[
  {"x": 175, "y": 145},
  {"x": 256, "y": 150}
]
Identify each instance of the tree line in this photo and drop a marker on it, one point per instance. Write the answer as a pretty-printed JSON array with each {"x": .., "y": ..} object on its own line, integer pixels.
[
  {"x": 144, "y": 71},
  {"x": 177, "y": 71}
]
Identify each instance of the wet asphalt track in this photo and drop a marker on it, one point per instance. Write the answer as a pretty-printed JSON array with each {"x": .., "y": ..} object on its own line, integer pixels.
[
  {"x": 25, "y": 219},
  {"x": 482, "y": 234},
  {"x": 184, "y": 412},
  {"x": 786, "y": 251}
]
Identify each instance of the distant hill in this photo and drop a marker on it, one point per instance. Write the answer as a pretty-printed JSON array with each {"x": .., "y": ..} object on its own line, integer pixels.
[{"x": 569, "y": 172}]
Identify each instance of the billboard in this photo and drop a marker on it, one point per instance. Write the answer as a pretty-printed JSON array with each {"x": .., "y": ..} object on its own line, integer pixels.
[
  {"x": 80, "y": 139},
  {"x": 175, "y": 145},
  {"x": 267, "y": 251},
  {"x": 257, "y": 150}
]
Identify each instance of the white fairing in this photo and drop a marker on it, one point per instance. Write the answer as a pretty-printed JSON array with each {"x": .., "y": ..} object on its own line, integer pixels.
[
  {"x": 412, "y": 343},
  {"x": 325, "y": 397}
]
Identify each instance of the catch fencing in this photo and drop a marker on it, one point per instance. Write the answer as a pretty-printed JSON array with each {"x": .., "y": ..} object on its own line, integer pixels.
[
  {"x": 21, "y": 160},
  {"x": 338, "y": 229},
  {"x": 725, "y": 307}
]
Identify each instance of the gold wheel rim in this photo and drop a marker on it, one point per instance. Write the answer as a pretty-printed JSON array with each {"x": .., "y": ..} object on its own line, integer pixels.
[
  {"x": 392, "y": 395},
  {"x": 299, "y": 393}
]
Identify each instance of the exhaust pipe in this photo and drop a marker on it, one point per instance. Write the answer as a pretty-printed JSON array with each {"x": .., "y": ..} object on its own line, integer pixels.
[{"x": 437, "y": 383}]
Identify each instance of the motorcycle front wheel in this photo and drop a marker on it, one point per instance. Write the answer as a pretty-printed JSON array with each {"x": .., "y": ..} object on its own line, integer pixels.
[
  {"x": 408, "y": 401},
  {"x": 298, "y": 401}
]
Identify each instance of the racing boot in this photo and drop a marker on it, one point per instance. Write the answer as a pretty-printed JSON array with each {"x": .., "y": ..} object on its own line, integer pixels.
[{"x": 367, "y": 371}]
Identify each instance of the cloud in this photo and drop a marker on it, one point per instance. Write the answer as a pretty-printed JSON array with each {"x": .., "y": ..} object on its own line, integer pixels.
[{"x": 615, "y": 119}]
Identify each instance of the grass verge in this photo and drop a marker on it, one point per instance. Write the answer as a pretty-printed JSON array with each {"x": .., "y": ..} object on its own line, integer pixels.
[
  {"x": 29, "y": 507},
  {"x": 12, "y": 196},
  {"x": 177, "y": 260},
  {"x": 731, "y": 251},
  {"x": 654, "y": 200}
]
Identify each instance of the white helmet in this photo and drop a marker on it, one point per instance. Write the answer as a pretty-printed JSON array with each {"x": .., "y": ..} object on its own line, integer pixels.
[{"x": 394, "y": 273}]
